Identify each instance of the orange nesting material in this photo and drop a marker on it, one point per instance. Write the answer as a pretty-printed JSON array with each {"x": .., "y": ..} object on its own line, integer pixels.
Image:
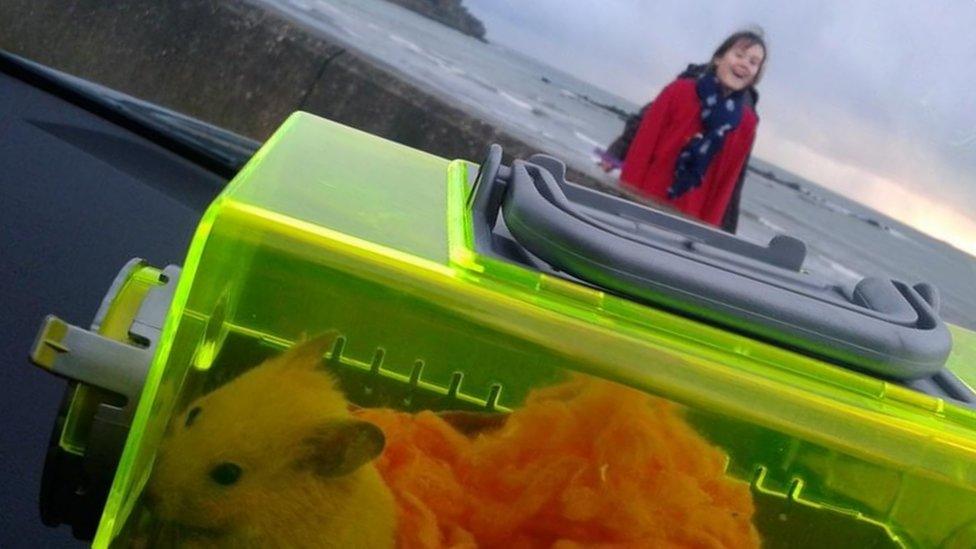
[{"x": 583, "y": 463}]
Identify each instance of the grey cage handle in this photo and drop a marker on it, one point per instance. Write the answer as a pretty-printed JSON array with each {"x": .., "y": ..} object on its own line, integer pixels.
[
  {"x": 485, "y": 197},
  {"x": 888, "y": 328}
]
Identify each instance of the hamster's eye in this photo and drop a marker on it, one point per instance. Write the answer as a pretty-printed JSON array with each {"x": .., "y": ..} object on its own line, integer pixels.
[
  {"x": 226, "y": 473},
  {"x": 191, "y": 416}
]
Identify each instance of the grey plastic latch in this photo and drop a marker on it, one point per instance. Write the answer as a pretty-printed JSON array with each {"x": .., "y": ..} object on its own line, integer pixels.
[
  {"x": 89, "y": 358},
  {"x": 82, "y": 460}
]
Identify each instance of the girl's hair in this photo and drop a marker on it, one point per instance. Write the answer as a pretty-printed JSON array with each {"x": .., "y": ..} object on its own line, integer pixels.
[{"x": 751, "y": 38}]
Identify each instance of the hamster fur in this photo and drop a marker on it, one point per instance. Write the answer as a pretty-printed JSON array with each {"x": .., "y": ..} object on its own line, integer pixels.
[{"x": 274, "y": 458}]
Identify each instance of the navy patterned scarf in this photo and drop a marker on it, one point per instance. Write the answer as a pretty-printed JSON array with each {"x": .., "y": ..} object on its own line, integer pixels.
[{"x": 720, "y": 115}]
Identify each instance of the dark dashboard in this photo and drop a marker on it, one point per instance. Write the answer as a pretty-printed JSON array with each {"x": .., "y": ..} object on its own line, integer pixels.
[{"x": 89, "y": 178}]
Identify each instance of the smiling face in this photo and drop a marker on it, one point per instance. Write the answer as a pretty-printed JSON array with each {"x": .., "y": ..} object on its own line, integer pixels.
[{"x": 738, "y": 67}]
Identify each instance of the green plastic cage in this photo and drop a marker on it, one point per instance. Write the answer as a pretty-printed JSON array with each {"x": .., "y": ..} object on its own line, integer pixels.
[{"x": 329, "y": 228}]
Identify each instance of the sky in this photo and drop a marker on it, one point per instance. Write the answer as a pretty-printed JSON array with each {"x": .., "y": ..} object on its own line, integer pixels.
[{"x": 874, "y": 99}]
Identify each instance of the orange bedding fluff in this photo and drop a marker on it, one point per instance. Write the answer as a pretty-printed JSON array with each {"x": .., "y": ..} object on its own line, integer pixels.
[{"x": 586, "y": 463}]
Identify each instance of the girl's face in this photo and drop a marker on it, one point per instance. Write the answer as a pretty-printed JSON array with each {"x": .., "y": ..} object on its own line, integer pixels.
[{"x": 738, "y": 67}]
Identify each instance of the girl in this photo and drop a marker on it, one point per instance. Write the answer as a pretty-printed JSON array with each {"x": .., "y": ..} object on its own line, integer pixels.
[{"x": 693, "y": 143}]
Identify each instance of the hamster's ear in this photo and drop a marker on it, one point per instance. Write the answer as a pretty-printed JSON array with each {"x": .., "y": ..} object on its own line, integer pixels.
[
  {"x": 307, "y": 354},
  {"x": 341, "y": 446}
]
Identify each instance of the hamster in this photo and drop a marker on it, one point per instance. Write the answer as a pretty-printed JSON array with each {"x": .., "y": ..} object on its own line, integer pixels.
[{"x": 274, "y": 458}]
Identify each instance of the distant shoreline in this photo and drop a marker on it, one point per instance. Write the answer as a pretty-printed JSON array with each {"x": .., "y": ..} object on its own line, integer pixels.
[{"x": 451, "y": 13}]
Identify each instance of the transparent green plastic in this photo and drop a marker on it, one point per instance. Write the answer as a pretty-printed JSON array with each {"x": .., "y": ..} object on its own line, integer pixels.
[{"x": 328, "y": 227}]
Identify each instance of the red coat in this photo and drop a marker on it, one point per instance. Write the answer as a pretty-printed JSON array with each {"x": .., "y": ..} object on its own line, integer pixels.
[{"x": 673, "y": 119}]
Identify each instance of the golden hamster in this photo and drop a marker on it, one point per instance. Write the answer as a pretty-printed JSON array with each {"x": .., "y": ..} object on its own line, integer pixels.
[{"x": 273, "y": 459}]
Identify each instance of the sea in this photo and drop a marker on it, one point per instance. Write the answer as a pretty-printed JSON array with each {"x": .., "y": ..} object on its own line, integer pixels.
[{"x": 569, "y": 118}]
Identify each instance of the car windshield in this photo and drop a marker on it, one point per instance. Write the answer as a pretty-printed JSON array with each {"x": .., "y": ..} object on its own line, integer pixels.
[
  {"x": 857, "y": 136},
  {"x": 536, "y": 273}
]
